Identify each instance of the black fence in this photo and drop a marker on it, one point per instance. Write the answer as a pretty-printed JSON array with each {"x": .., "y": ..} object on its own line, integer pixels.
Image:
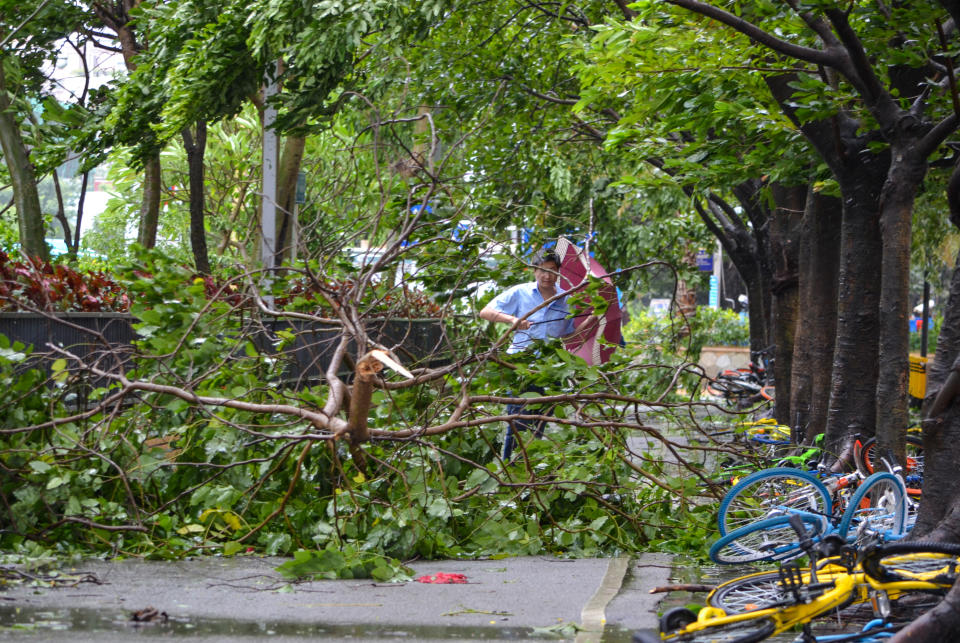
[
  {"x": 415, "y": 342},
  {"x": 107, "y": 340}
]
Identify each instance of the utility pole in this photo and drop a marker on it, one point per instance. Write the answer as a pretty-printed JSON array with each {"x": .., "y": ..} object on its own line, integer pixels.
[{"x": 268, "y": 203}]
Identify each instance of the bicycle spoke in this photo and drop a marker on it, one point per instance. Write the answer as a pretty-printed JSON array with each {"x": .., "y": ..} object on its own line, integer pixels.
[{"x": 770, "y": 493}]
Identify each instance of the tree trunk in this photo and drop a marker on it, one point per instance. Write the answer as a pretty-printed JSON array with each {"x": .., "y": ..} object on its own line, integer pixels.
[
  {"x": 287, "y": 172},
  {"x": 22, "y": 178},
  {"x": 853, "y": 392},
  {"x": 939, "y": 624},
  {"x": 747, "y": 246},
  {"x": 750, "y": 250},
  {"x": 84, "y": 180},
  {"x": 785, "y": 235},
  {"x": 819, "y": 265},
  {"x": 941, "y": 443},
  {"x": 150, "y": 203},
  {"x": 939, "y": 515},
  {"x": 861, "y": 174},
  {"x": 195, "y": 146},
  {"x": 61, "y": 215},
  {"x": 899, "y": 191}
]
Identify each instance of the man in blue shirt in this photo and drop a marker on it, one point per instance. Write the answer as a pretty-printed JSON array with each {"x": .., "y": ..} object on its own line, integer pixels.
[{"x": 514, "y": 306}]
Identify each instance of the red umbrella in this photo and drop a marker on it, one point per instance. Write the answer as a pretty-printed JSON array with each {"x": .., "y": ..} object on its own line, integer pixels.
[{"x": 575, "y": 268}]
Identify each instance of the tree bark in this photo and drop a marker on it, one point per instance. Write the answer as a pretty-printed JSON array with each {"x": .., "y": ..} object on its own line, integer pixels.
[
  {"x": 84, "y": 180},
  {"x": 896, "y": 214},
  {"x": 785, "y": 235},
  {"x": 939, "y": 624},
  {"x": 288, "y": 170},
  {"x": 939, "y": 514},
  {"x": 853, "y": 391},
  {"x": 941, "y": 441},
  {"x": 150, "y": 203},
  {"x": 22, "y": 178},
  {"x": 61, "y": 215},
  {"x": 196, "y": 146},
  {"x": 819, "y": 265}
]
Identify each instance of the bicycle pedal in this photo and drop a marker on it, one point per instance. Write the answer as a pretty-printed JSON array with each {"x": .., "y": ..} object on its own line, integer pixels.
[
  {"x": 848, "y": 558},
  {"x": 791, "y": 579}
]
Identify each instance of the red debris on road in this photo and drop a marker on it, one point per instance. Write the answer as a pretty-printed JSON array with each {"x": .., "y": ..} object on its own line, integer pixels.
[{"x": 443, "y": 578}]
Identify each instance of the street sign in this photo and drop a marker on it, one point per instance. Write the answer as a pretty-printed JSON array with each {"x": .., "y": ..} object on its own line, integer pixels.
[{"x": 704, "y": 261}]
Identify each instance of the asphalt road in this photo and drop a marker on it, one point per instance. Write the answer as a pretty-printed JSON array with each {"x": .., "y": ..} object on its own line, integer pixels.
[{"x": 244, "y": 599}]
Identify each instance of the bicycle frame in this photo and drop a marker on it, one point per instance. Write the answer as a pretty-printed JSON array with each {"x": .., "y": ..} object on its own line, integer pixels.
[
  {"x": 846, "y": 588},
  {"x": 770, "y": 539}
]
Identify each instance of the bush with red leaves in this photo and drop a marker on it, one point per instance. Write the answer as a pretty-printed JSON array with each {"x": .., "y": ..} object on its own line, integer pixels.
[{"x": 41, "y": 285}]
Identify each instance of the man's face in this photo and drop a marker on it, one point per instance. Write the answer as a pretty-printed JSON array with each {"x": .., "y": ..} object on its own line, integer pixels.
[{"x": 546, "y": 275}]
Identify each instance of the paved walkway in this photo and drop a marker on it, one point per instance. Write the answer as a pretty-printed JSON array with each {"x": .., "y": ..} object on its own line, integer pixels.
[{"x": 243, "y": 598}]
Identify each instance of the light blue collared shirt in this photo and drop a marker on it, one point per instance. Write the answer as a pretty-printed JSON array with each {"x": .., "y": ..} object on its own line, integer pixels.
[{"x": 548, "y": 322}]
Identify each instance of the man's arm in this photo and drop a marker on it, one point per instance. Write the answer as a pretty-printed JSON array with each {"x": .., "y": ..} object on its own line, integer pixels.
[{"x": 490, "y": 313}]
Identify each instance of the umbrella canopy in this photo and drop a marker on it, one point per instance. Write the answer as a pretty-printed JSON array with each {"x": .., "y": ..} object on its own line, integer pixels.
[{"x": 575, "y": 268}]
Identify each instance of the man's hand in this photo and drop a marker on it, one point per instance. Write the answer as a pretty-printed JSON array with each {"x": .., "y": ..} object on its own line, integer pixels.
[{"x": 497, "y": 317}]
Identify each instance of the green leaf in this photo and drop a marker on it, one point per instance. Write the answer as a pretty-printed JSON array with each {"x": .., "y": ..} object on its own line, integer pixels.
[
  {"x": 40, "y": 466},
  {"x": 232, "y": 547}
]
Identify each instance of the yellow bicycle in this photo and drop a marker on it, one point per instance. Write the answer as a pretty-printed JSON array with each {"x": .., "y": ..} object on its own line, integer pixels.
[{"x": 885, "y": 573}]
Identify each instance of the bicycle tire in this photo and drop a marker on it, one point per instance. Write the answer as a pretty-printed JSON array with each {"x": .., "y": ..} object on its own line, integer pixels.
[
  {"x": 677, "y": 618},
  {"x": 759, "y": 590},
  {"x": 759, "y": 494},
  {"x": 723, "y": 389},
  {"x": 904, "y": 561},
  {"x": 881, "y": 502},
  {"x": 746, "y": 631},
  {"x": 733, "y": 390},
  {"x": 747, "y": 593},
  {"x": 913, "y": 471},
  {"x": 773, "y": 539},
  {"x": 768, "y": 392}
]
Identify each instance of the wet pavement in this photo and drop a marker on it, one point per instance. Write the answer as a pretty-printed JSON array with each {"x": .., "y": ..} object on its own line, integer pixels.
[{"x": 244, "y": 598}]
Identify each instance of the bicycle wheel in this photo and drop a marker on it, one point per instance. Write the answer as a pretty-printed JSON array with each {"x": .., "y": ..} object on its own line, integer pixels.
[
  {"x": 878, "y": 506},
  {"x": 913, "y": 471},
  {"x": 769, "y": 493},
  {"x": 745, "y": 631},
  {"x": 934, "y": 562},
  {"x": 747, "y": 593},
  {"x": 759, "y": 590},
  {"x": 773, "y": 539},
  {"x": 722, "y": 388}
]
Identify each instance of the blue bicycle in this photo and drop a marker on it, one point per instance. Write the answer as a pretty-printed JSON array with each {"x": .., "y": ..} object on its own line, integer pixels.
[{"x": 877, "y": 509}]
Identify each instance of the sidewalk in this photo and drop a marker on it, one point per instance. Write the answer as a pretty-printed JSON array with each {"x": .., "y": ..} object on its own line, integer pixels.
[{"x": 243, "y": 598}]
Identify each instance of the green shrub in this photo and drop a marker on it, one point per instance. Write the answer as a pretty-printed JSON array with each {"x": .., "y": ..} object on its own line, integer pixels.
[{"x": 708, "y": 327}]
